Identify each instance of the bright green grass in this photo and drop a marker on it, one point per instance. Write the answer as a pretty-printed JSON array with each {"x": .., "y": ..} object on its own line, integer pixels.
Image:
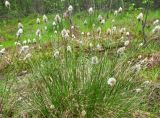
[{"x": 127, "y": 20}]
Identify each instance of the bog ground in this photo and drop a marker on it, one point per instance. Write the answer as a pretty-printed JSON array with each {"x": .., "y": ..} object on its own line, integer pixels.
[{"x": 80, "y": 63}]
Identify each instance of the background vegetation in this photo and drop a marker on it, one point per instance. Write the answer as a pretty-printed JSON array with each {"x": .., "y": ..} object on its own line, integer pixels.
[{"x": 26, "y": 7}]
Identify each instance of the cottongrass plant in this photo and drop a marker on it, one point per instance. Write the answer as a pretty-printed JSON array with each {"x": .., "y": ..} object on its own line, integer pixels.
[{"x": 79, "y": 86}]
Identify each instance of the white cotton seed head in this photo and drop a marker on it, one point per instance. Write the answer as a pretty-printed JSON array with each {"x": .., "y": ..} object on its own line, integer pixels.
[
  {"x": 139, "y": 56},
  {"x": 34, "y": 41},
  {"x": 17, "y": 43},
  {"x": 2, "y": 51},
  {"x": 29, "y": 41},
  {"x": 56, "y": 54},
  {"x": 100, "y": 18},
  {"x": 57, "y": 18},
  {"x": 73, "y": 36},
  {"x": 114, "y": 29},
  {"x": 136, "y": 68},
  {"x": 156, "y": 29},
  {"x": 94, "y": 60},
  {"x": 140, "y": 17},
  {"x": 156, "y": 22},
  {"x": 115, "y": 12},
  {"x": 111, "y": 81},
  {"x": 69, "y": 49},
  {"x": 54, "y": 23},
  {"x": 64, "y": 34},
  {"x": 45, "y": 19},
  {"x": 122, "y": 30},
  {"x": 52, "y": 107},
  {"x": 83, "y": 113},
  {"x": 121, "y": 50},
  {"x": 20, "y": 25},
  {"x": 19, "y": 32},
  {"x": 55, "y": 32},
  {"x": 88, "y": 34},
  {"x": 70, "y": 8},
  {"x": 24, "y": 42},
  {"x": 138, "y": 90},
  {"x": 127, "y": 33},
  {"x": 90, "y": 10},
  {"x": 120, "y": 9},
  {"x": 141, "y": 44},
  {"x": 38, "y": 33},
  {"x": 38, "y": 21},
  {"x": 103, "y": 21},
  {"x": 147, "y": 83},
  {"x": 24, "y": 49},
  {"x": 126, "y": 43},
  {"x": 7, "y": 4}
]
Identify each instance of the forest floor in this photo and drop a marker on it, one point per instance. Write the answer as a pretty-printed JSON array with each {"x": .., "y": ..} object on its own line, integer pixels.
[{"x": 98, "y": 70}]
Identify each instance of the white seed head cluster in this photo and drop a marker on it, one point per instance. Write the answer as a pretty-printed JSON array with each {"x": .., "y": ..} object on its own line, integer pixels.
[
  {"x": 90, "y": 10},
  {"x": 64, "y": 34},
  {"x": 7, "y": 4},
  {"x": 56, "y": 54},
  {"x": 2, "y": 52},
  {"x": 115, "y": 12},
  {"x": 156, "y": 29},
  {"x": 140, "y": 17},
  {"x": 45, "y": 19},
  {"x": 120, "y": 9},
  {"x": 121, "y": 50},
  {"x": 38, "y": 21},
  {"x": 38, "y": 33},
  {"x": 19, "y": 32},
  {"x": 156, "y": 22},
  {"x": 111, "y": 81},
  {"x": 20, "y": 25},
  {"x": 24, "y": 49},
  {"x": 57, "y": 18},
  {"x": 94, "y": 60},
  {"x": 70, "y": 8}
]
